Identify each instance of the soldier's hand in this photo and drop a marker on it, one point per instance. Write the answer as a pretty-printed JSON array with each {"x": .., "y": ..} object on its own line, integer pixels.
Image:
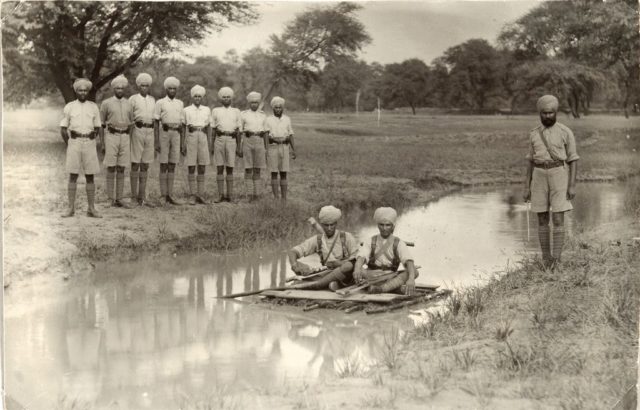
[
  {"x": 293, "y": 154},
  {"x": 410, "y": 289},
  {"x": 358, "y": 277},
  {"x": 527, "y": 195},
  {"x": 333, "y": 264},
  {"x": 183, "y": 151},
  {"x": 239, "y": 153},
  {"x": 571, "y": 192}
]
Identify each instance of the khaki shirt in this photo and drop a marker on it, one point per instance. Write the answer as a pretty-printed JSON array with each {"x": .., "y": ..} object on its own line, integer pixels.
[
  {"x": 560, "y": 140},
  {"x": 226, "y": 119},
  {"x": 196, "y": 116},
  {"x": 252, "y": 120},
  {"x": 279, "y": 128},
  {"x": 142, "y": 107},
  {"x": 310, "y": 246},
  {"x": 385, "y": 258},
  {"x": 117, "y": 112},
  {"x": 168, "y": 111},
  {"x": 81, "y": 117}
]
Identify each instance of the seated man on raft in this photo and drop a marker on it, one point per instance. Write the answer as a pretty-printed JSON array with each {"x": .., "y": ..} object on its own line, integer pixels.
[
  {"x": 386, "y": 252},
  {"x": 337, "y": 250}
]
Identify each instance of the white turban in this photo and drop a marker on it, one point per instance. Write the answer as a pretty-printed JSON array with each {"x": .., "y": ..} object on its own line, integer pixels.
[
  {"x": 277, "y": 101},
  {"x": 225, "y": 91},
  {"x": 143, "y": 78},
  {"x": 385, "y": 215},
  {"x": 329, "y": 214},
  {"x": 171, "y": 82},
  {"x": 198, "y": 90},
  {"x": 119, "y": 81},
  {"x": 254, "y": 96},
  {"x": 80, "y": 82},
  {"x": 547, "y": 103}
]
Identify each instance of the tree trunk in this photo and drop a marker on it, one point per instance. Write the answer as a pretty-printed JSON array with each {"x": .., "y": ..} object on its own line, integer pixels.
[
  {"x": 413, "y": 109},
  {"x": 265, "y": 96},
  {"x": 358, "y": 102},
  {"x": 625, "y": 102}
]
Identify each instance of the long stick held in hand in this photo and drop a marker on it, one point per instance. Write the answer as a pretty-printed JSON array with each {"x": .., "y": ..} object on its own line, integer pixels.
[{"x": 528, "y": 228}]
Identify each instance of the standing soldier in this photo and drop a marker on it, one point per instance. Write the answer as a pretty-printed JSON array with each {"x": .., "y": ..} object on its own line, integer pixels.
[
  {"x": 551, "y": 177},
  {"x": 386, "y": 252},
  {"x": 225, "y": 122},
  {"x": 280, "y": 136},
  {"x": 117, "y": 118},
  {"x": 79, "y": 128},
  {"x": 254, "y": 144},
  {"x": 142, "y": 151},
  {"x": 169, "y": 138},
  {"x": 195, "y": 120}
]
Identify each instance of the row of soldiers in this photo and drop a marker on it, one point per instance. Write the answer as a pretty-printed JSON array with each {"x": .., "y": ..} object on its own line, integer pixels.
[{"x": 130, "y": 131}]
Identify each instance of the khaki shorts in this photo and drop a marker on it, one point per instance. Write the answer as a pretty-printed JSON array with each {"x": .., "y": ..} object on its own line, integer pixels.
[
  {"x": 82, "y": 157},
  {"x": 142, "y": 149},
  {"x": 224, "y": 151},
  {"x": 117, "y": 150},
  {"x": 169, "y": 146},
  {"x": 549, "y": 188},
  {"x": 253, "y": 152},
  {"x": 197, "y": 149},
  {"x": 278, "y": 157}
]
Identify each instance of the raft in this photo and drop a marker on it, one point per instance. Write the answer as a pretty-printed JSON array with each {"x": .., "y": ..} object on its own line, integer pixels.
[{"x": 361, "y": 300}]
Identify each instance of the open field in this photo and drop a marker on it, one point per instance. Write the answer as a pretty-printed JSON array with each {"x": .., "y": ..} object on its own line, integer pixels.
[{"x": 342, "y": 159}]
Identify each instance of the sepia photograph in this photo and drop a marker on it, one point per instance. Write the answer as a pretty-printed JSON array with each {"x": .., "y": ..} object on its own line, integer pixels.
[{"x": 317, "y": 205}]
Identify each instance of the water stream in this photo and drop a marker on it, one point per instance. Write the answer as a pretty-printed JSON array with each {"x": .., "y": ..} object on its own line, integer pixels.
[{"x": 143, "y": 333}]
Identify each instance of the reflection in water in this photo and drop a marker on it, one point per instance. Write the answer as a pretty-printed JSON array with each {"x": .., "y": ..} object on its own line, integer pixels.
[{"x": 158, "y": 330}]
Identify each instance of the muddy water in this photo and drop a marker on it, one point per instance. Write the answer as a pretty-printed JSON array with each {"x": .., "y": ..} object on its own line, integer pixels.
[{"x": 145, "y": 334}]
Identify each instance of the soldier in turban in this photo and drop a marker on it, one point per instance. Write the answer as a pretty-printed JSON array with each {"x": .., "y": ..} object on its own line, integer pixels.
[
  {"x": 386, "y": 252},
  {"x": 142, "y": 139},
  {"x": 254, "y": 143},
  {"x": 169, "y": 137},
  {"x": 280, "y": 138},
  {"x": 551, "y": 178},
  {"x": 227, "y": 142},
  {"x": 195, "y": 120},
  {"x": 336, "y": 249},
  {"x": 117, "y": 119},
  {"x": 79, "y": 128}
]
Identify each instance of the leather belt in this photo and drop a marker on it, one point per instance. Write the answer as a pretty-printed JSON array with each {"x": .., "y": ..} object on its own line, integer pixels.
[
  {"x": 192, "y": 128},
  {"x": 549, "y": 164},
  {"x": 74, "y": 135},
  {"x": 226, "y": 133},
  {"x": 251, "y": 133},
  {"x": 271, "y": 141},
  {"x": 141, "y": 124},
  {"x": 115, "y": 130},
  {"x": 168, "y": 127}
]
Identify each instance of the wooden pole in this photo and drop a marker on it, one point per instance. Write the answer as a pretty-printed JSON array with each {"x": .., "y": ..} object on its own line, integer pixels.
[{"x": 378, "y": 111}]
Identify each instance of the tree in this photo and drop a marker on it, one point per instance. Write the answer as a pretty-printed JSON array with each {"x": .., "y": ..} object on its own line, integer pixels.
[
  {"x": 340, "y": 81},
  {"x": 602, "y": 35},
  {"x": 474, "y": 74},
  {"x": 406, "y": 83},
  {"x": 48, "y": 44},
  {"x": 314, "y": 38}
]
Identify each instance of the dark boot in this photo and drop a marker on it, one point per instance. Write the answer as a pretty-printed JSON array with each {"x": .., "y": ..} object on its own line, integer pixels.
[
  {"x": 134, "y": 177},
  {"x": 220, "y": 183},
  {"x": 71, "y": 192},
  {"x": 283, "y": 188},
  {"x": 274, "y": 188},
  {"x": 91, "y": 200}
]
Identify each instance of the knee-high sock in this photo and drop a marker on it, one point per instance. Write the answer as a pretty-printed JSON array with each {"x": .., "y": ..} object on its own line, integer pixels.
[
  {"x": 142, "y": 188},
  {"x": 558, "y": 241},
  {"x": 545, "y": 246},
  {"x": 134, "y": 178},
  {"x": 170, "y": 178},
  {"x": 111, "y": 177},
  {"x": 283, "y": 188},
  {"x": 220, "y": 183},
  {"x": 274, "y": 188},
  {"x": 119, "y": 185},
  {"x": 91, "y": 195},
  {"x": 191, "y": 178},
  {"x": 71, "y": 192},
  {"x": 200, "y": 179},
  {"x": 229, "y": 186},
  {"x": 163, "y": 184},
  {"x": 256, "y": 184}
]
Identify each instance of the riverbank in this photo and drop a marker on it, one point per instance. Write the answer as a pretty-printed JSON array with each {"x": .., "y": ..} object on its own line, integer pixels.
[
  {"x": 346, "y": 160},
  {"x": 528, "y": 339}
]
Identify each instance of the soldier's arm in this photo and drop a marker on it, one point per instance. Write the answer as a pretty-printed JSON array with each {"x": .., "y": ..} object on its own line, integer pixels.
[
  {"x": 293, "y": 149},
  {"x": 527, "y": 180},
  {"x": 411, "y": 280},
  {"x": 573, "y": 171},
  {"x": 156, "y": 134},
  {"x": 64, "y": 133}
]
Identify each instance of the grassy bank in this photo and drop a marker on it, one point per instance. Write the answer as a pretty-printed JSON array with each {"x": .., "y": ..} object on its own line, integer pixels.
[{"x": 345, "y": 160}]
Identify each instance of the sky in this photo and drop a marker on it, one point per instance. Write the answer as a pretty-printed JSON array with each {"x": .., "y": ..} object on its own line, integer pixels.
[{"x": 399, "y": 30}]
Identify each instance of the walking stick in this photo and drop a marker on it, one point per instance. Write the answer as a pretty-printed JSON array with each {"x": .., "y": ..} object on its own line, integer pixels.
[{"x": 528, "y": 228}]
